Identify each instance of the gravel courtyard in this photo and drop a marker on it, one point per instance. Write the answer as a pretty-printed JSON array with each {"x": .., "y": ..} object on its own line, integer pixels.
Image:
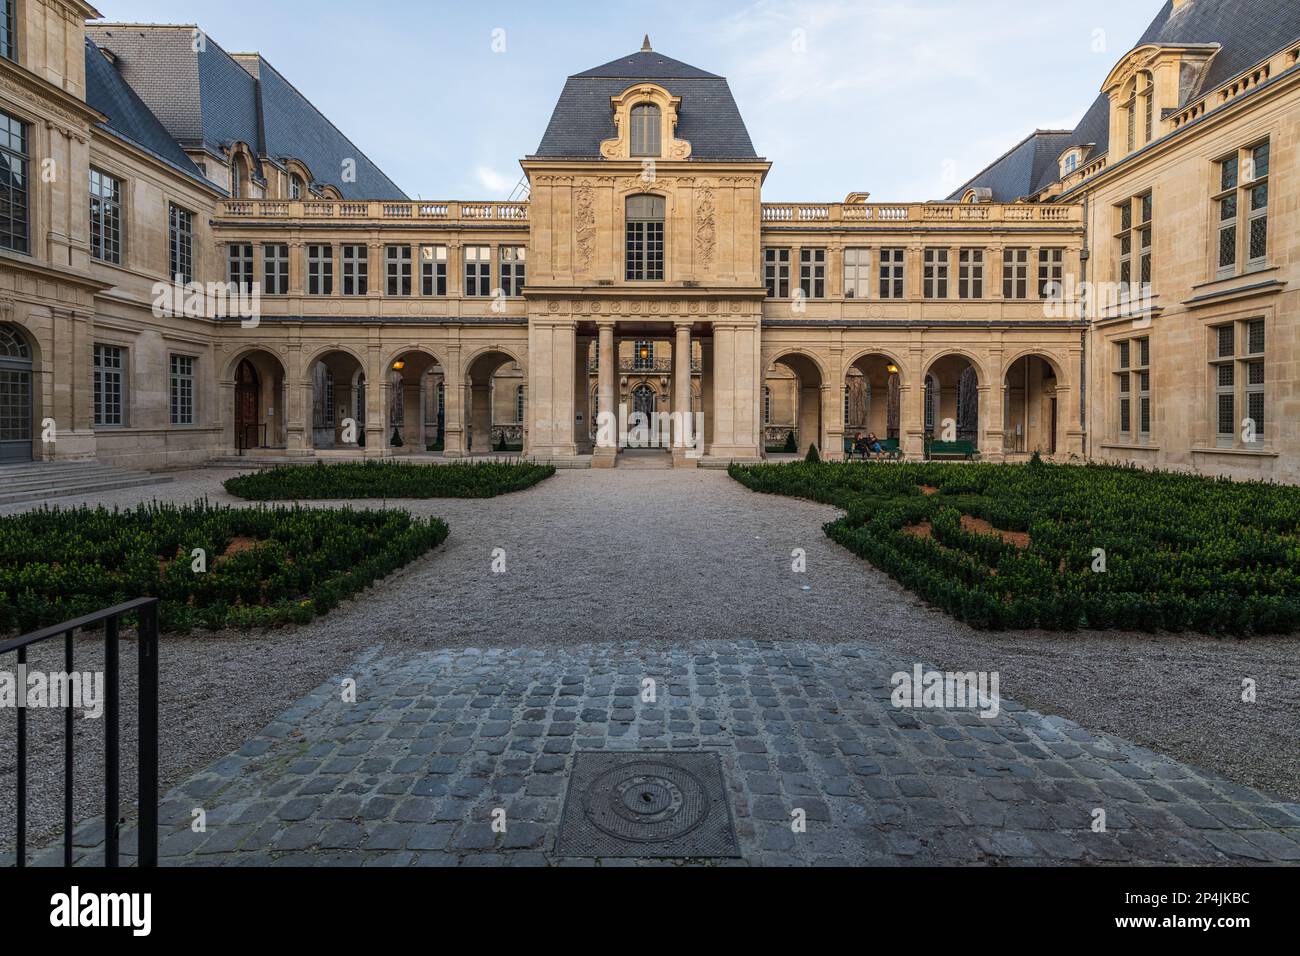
[{"x": 665, "y": 562}]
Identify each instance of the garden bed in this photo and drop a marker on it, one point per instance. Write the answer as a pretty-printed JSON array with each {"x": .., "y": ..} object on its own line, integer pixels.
[
  {"x": 1063, "y": 547},
  {"x": 255, "y": 567},
  {"x": 376, "y": 479}
]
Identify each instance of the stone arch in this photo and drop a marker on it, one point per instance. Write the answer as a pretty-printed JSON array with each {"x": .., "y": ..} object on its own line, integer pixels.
[
  {"x": 326, "y": 350},
  {"x": 256, "y": 383},
  {"x": 478, "y": 371},
  {"x": 875, "y": 384},
  {"x": 336, "y": 379},
  {"x": 20, "y": 398},
  {"x": 812, "y": 419},
  {"x": 1035, "y": 403},
  {"x": 955, "y": 384}
]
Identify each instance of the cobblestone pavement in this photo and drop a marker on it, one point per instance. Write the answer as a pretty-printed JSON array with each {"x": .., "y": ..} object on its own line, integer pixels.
[{"x": 410, "y": 774}]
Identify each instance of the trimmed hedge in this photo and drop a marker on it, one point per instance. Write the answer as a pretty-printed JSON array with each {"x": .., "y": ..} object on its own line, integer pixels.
[
  {"x": 386, "y": 479},
  {"x": 1182, "y": 552},
  {"x": 287, "y": 565}
]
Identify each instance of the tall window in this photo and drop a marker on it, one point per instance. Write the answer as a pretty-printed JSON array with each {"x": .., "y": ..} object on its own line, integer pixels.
[
  {"x": 237, "y": 179},
  {"x": 812, "y": 273},
  {"x": 398, "y": 262},
  {"x": 1237, "y": 376},
  {"x": 108, "y": 385},
  {"x": 355, "y": 262},
  {"x": 514, "y": 267},
  {"x": 1015, "y": 274},
  {"x": 936, "y": 274},
  {"x": 275, "y": 269},
  {"x": 891, "y": 273},
  {"x": 644, "y": 358},
  {"x": 645, "y": 238},
  {"x": 776, "y": 270},
  {"x": 1133, "y": 379},
  {"x": 646, "y": 130},
  {"x": 180, "y": 243},
  {"x": 13, "y": 184},
  {"x": 1135, "y": 239},
  {"x": 182, "y": 389},
  {"x": 857, "y": 273},
  {"x": 295, "y": 186},
  {"x": 433, "y": 270},
  {"x": 767, "y": 405},
  {"x": 239, "y": 268},
  {"x": 1051, "y": 273},
  {"x": 521, "y": 403},
  {"x": 478, "y": 271},
  {"x": 1243, "y": 199},
  {"x": 8, "y": 31},
  {"x": 105, "y": 217},
  {"x": 970, "y": 276},
  {"x": 320, "y": 270}
]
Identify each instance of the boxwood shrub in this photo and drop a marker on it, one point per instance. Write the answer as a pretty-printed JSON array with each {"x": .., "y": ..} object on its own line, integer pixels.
[
  {"x": 1181, "y": 552},
  {"x": 387, "y": 479},
  {"x": 264, "y": 566}
]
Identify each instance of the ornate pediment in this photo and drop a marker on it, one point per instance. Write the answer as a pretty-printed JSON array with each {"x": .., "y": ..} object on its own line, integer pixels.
[{"x": 620, "y": 147}]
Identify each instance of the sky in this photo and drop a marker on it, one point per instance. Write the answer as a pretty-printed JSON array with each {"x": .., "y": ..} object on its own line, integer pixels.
[{"x": 904, "y": 99}]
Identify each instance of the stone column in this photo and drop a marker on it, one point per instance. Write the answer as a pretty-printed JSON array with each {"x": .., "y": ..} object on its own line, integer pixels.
[
  {"x": 454, "y": 399},
  {"x": 682, "y": 397},
  {"x": 606, "y": 451}
]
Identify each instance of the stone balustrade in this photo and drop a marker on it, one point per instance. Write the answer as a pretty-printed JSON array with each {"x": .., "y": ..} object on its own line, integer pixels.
[
  {"x": 889, "y": 213},
  {"x": 313, "y": 209}
]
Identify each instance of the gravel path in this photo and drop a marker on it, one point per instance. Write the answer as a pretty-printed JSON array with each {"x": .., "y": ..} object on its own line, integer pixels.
[{"x": 664, "y": 558}]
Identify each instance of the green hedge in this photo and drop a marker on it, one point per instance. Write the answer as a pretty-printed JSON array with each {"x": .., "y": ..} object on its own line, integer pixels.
[
  {"x": 1182, "y": 552},
  {"x": 384, "y": 479},
  {"x": 292, "y": 565}
]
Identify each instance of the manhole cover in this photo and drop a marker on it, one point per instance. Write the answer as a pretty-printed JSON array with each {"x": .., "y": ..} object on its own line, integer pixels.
[{"x": 656, "y": 805}]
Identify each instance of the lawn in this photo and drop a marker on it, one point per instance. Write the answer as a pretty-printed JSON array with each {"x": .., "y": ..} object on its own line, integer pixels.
[
  {"x": 1063, "y": 547},
  {"x": 375, "y": 479},
  {"x": 212, "y": 567}
]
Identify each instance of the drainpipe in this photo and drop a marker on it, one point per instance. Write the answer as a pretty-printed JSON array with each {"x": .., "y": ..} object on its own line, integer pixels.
[{"x": 1085, "y": 393}]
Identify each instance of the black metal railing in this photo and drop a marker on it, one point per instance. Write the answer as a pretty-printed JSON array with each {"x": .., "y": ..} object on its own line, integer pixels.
[{"x": 146, "y": 610}]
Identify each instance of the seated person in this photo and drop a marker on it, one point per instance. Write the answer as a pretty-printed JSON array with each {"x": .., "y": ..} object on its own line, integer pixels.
[
  {"x": 874, "y": 446},
  {"x": 860, "y": 445}
]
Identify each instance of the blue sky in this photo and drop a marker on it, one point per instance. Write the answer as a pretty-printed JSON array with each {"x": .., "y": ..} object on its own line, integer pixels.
[{"x": 904, "y": 99}]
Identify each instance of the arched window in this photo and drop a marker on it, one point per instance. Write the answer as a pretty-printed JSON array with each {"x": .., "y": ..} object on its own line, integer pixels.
[
  {"x": 1146, "y": 93},
  {"x": 644, "y": 400},
  {"x": 645, "y": 238},
  {"x": 237, "y": 178},
  {"x": 646, "y": 130},
  {"x": 1130, "y": 110}
]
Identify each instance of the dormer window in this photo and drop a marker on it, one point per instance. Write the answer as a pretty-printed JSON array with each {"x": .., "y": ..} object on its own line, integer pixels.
[
  {"x": 1069, "y": 164},
  {"x": 295, "y": 186},
  {"x": 237, "y": 179},
  {"x": 646, "y": 131}
]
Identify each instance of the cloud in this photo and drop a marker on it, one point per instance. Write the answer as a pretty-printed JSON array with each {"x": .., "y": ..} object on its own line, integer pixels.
[{"x": 493, "y": 181}]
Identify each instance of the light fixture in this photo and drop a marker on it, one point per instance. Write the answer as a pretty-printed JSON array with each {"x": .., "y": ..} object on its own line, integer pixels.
[
  {"x": 399, "y": 365},
  {"x": 892, "y": 369}
]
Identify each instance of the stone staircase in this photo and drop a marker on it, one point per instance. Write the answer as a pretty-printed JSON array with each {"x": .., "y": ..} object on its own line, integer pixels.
[{"x": 35, "y": 481}]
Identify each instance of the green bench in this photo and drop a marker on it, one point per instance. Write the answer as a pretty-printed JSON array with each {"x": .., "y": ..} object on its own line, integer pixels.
[
  {"x": 951, "y": 450},
  {"x": 890, "y": 447}
]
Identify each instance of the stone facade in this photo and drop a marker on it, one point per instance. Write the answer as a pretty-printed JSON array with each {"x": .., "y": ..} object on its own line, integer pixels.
[{"x": 466, "y": 327}]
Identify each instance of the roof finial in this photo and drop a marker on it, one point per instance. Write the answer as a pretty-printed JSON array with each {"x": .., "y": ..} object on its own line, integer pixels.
[{"x": 645, "y": 47}]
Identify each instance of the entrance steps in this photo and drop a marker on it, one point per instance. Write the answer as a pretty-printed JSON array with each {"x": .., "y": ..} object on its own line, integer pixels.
[
  {"x": 650, "y": 460},
  {"x": 31, "y": 482}
]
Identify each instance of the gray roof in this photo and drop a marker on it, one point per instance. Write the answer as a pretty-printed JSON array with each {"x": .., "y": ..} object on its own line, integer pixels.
[
  {"x": 708, "y": 119},
  {"x": 128, "y": 117},
  {"x": 1014, "y": 174},
  {"x": 1246, "y": 31},
  {"x": 210, "y": 100}
]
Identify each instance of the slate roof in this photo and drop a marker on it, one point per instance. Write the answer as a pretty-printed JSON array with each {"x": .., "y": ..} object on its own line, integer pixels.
[
  {"x": 708, "y": 118},
  {"x": 1014, "y": 174},
  {"x": 128, "y": 117},
  {"x": 1247, "y": 32},
  {"x": 210, "y": 100}
]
